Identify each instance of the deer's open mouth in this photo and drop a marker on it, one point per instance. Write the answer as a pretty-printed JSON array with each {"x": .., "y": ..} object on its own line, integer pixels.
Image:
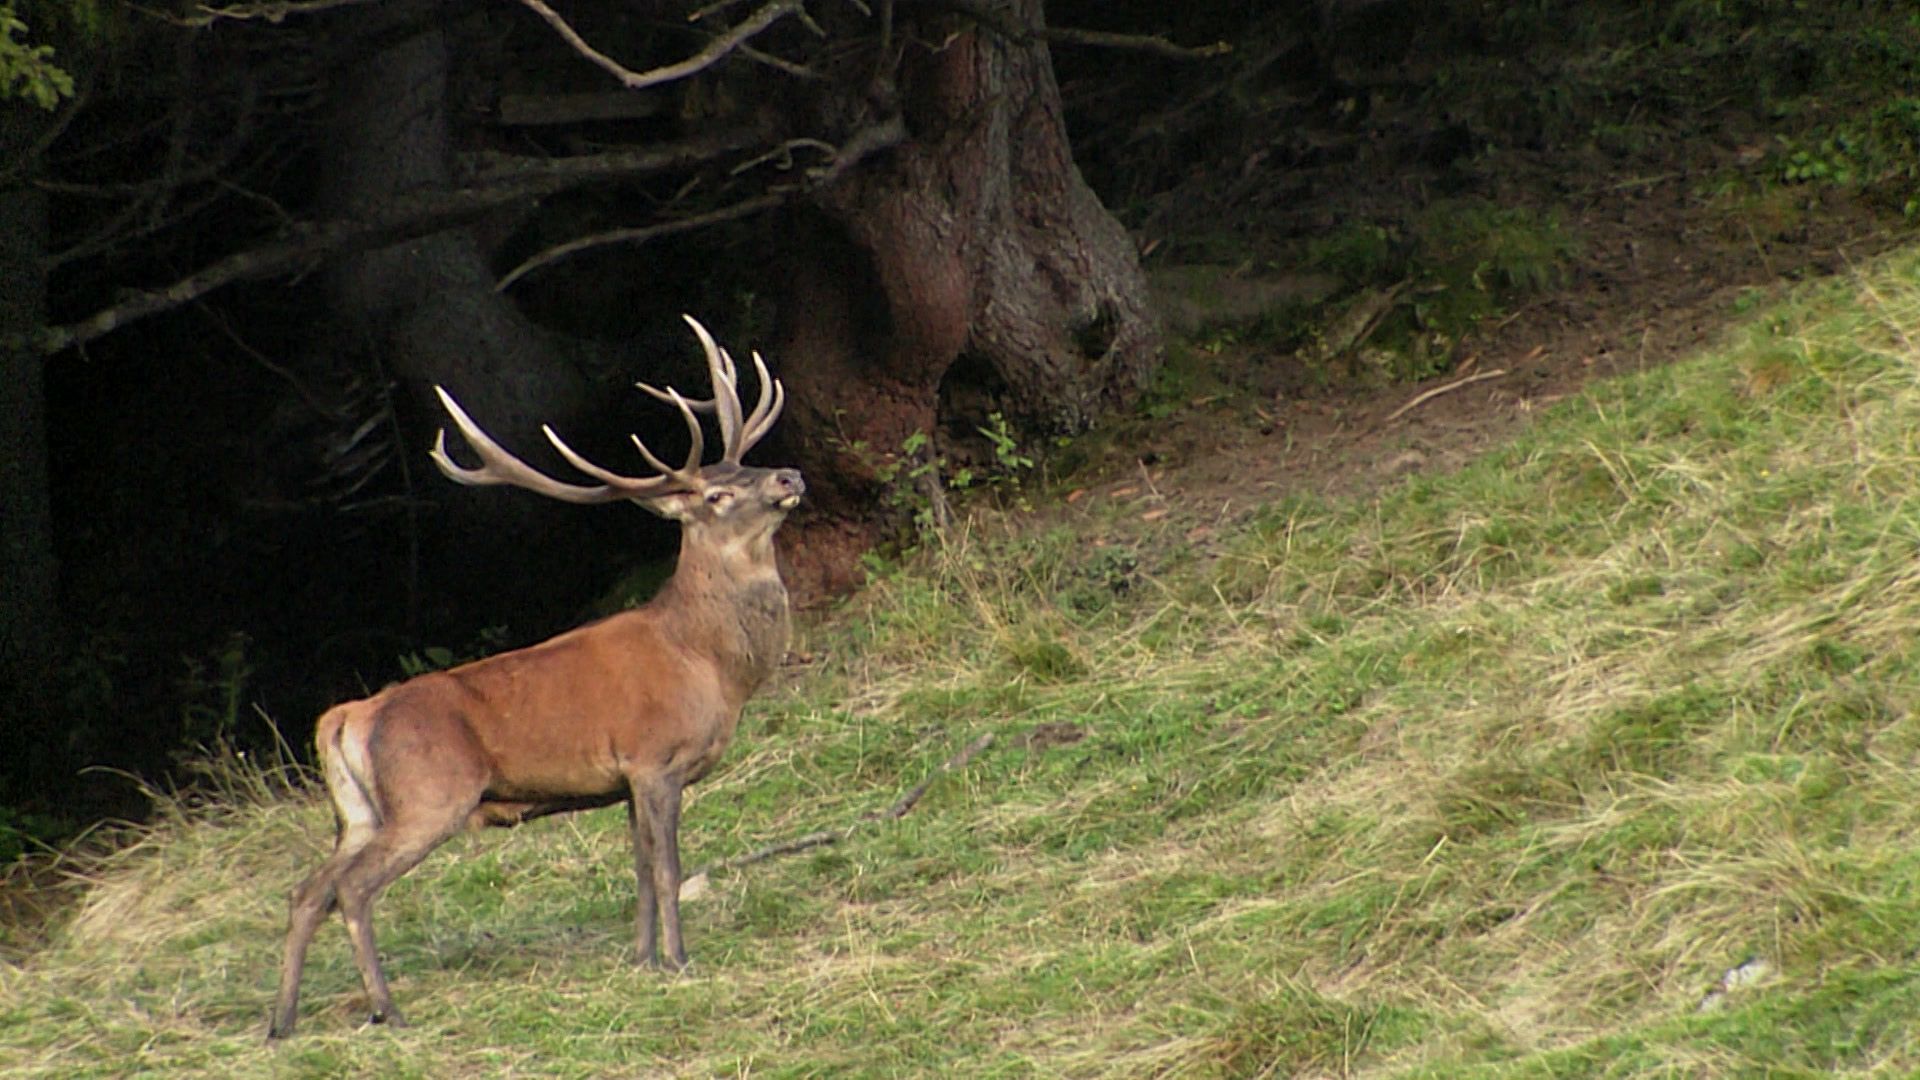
[{"x": 789, "y": 502}]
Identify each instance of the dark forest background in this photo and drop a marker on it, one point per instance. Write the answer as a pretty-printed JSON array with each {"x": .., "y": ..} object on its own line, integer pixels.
[{"x": 238, "y": 246}]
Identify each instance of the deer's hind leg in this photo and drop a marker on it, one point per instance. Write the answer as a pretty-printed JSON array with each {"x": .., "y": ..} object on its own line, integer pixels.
[
  {"x": 430, "y": 781},
  {"x": 389, "y": 854},
  {"x": 356, "y": 821}
]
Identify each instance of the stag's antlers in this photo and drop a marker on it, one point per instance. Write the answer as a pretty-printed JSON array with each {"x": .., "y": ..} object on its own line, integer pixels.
[{"x": 737, "y": 436}]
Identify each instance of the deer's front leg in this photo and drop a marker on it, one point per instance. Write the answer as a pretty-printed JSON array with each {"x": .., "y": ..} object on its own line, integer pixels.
[
  {"x": 646, "y": 908},
  {"x": 654, "y": 817},
  {"x": 663, "y": 813}
]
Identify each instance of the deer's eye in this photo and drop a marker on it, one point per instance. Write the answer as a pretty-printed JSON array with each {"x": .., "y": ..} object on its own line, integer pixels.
[{"x": 715, "y": 498}]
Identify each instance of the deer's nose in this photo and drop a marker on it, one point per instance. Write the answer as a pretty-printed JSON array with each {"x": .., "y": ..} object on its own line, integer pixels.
[{"x": 791, "y": 480}]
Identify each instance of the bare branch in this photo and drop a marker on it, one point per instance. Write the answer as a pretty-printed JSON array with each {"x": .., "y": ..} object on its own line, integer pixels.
[
  {"x": 532, "y": 110},
  {"x": 784, "y": 847},
  {"x": 1150, "y": 43},
  {"x": 407, "y": 217},
  {"x": 864, "y": 142},
  {"x": 638, "y": 236},
  {"x": 273, "y": 11},
  {"x": 900, "y": 808},
  {"x": 714, "y": 8},
  {"x": 807, "y": 20},
  {"x": 719, "y": 47},
  {"x": 550, "y": 175},
  {"x": 286, "y": 374},
  {"x": 1147, "y": 43},
  {"x": 958, "y": 761},
  {"x": 1445, "y": 388},
  {"x": 780, "y": 63},
  {"x": 783, "y": 154},
  {"x": 82, "y": 97}
]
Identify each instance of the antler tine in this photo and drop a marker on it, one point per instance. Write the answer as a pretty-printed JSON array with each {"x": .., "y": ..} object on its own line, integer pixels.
[
  {"x": 669, "y": 480},
  {"x": 726, "y": 394},
  {"x": 497, "y": 466},
  {"x": 737, "y": 435},
  {"x": 696, "y": 442},
  {"x": 773, "y": 398}
]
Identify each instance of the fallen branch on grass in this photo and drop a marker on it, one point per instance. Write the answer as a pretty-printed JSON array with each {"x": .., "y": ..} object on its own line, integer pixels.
[
  {"x": 696, "y": 882},
  {"x": 958, "y": 761}
]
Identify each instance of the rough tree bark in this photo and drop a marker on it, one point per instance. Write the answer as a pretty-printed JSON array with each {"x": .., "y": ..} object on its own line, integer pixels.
[{"x": 970, "y": 269}]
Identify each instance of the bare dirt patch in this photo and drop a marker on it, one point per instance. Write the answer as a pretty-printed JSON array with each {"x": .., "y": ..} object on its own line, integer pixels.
[{"x": 1663, "y": 271}]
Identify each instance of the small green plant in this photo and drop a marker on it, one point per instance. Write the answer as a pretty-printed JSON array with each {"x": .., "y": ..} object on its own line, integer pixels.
[
  {"x": 917, "y": 478},
  {"x": 1830, "y": 161},
  {"x": 213, "y": 691},
  {"x": 1358, "y": 253},
  {"x": 912, "y": 482},
  {"x": 1185, "y": 374},
  {"x": 22, "y": 832},
  {"x": 1875, "y": 152},
  {"x": 490, "y": 640},
  {"x": 1008, "y": 459},
  {"x": 1502, "y": 251},
  {"x": 1412, "y": 294}
]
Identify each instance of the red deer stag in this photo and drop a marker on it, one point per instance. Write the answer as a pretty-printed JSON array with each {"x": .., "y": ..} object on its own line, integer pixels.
[{"x": 633, "y": 707}]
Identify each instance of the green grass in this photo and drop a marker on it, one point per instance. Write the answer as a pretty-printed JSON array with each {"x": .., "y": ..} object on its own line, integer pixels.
[{"x": 1496, "y": 774}]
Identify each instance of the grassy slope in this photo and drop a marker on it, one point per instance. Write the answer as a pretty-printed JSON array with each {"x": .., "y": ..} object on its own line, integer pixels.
[{"x": 1596, "y": 758}]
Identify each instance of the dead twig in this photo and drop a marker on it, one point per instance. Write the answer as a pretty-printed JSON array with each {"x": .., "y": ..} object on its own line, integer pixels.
[
  {"x": 275, "y": 11},
  {"x": 821, "y": 838},
  {"x": 714, "y": 51},
  {"x": 862, "y": 144},
  {"x": 1147, "y": 43},
  {"x": 636, "y": 236},
  {"x": 1006, "y": 27},
  {"x": 785, "y": 847},
  {"x": 958, "y": 761},
  {"x": 1448, "y": 388}
]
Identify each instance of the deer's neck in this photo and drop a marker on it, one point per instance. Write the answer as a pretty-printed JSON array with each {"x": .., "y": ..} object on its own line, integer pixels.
[{"x": 731, "y": 603}]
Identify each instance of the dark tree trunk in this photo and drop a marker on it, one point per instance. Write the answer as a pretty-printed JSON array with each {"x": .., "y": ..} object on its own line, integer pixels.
[
  {"x": 428, "y": 306},
  {"x": 30, "y": 618},
  {"x": 427, "y": 313},
  {"x": 970, "y": 269}
]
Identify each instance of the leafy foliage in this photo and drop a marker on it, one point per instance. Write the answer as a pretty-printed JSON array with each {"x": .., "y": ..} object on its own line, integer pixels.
[
  {"x": 27, "y": 70},
  {"x": 917, "y": 479},
  {"x": 1455, "y": 263},
  {"x": 1878, "y": 151}
]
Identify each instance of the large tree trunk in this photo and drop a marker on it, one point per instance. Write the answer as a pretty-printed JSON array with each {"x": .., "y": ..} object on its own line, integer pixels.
[
  {"x": 30, "y": 621},
  {"x": 428, "y": 305},
  {"x": 971, "y": 269},
  {"x": 427, "y": 312}
]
